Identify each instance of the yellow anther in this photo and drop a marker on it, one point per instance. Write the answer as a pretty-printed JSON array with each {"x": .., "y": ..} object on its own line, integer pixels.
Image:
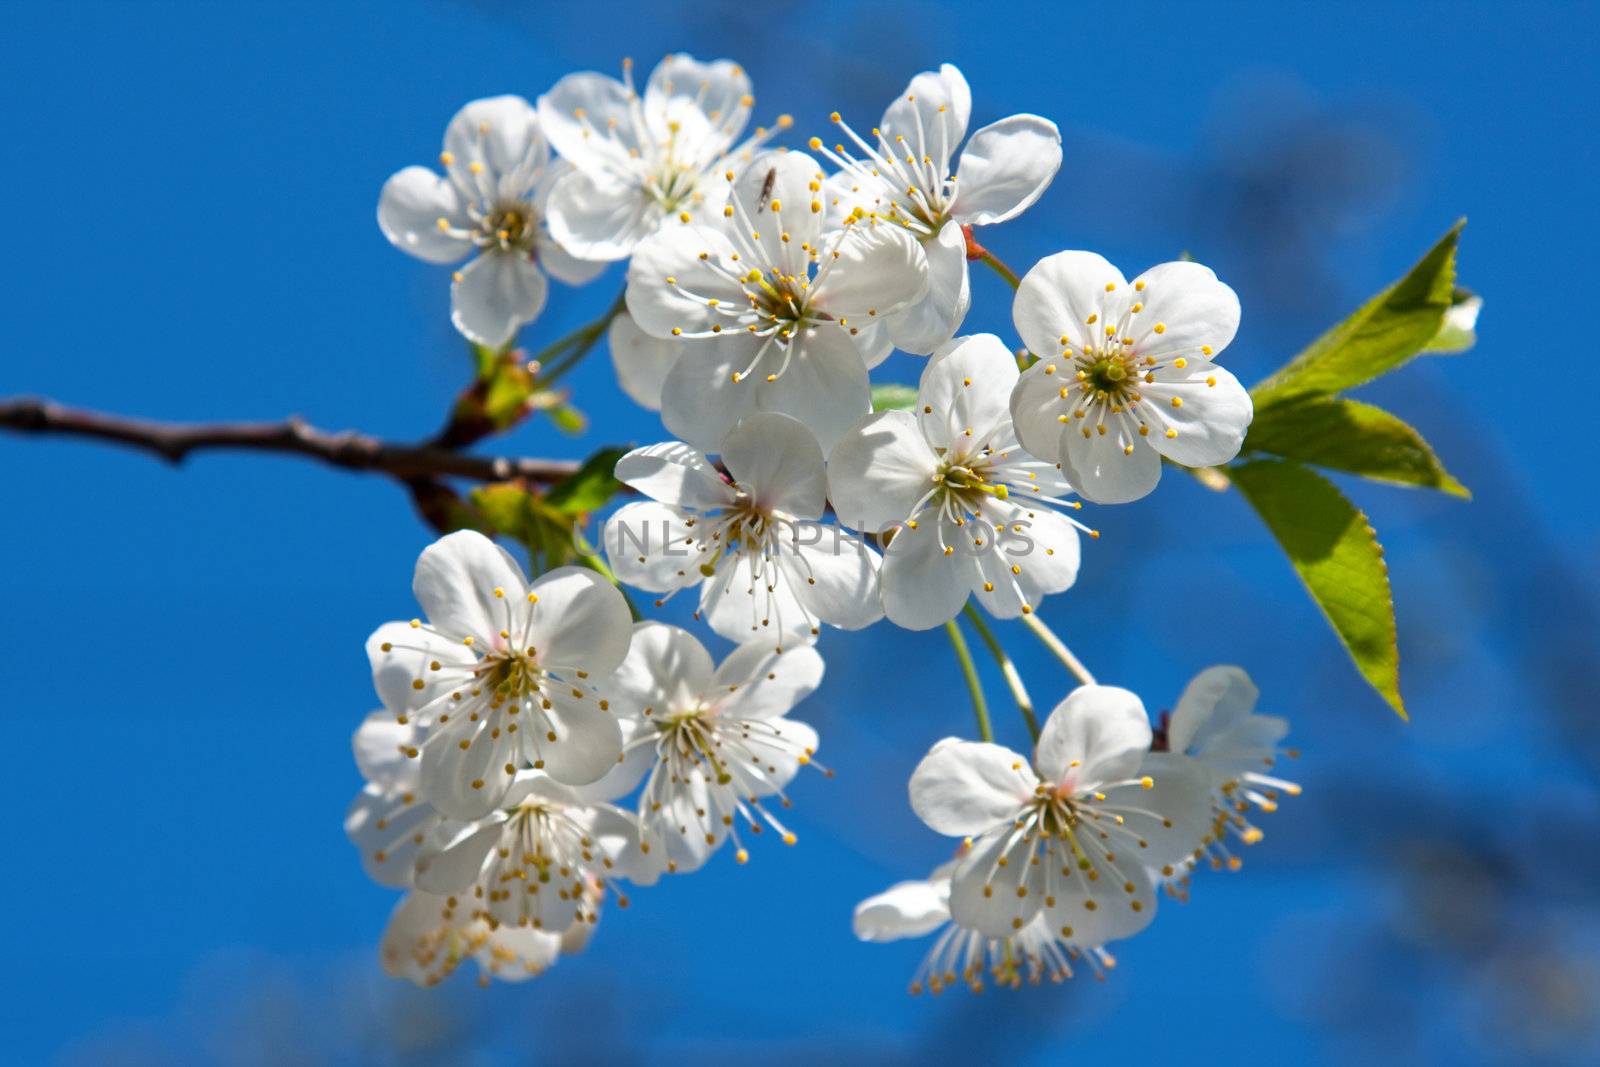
[{"x": 1161, "y": 327}]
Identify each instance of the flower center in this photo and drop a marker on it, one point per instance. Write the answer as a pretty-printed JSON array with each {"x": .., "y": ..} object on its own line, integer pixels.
[
  {"x": 510, "y": 227},
  {"x": 1108, "y": 375}
]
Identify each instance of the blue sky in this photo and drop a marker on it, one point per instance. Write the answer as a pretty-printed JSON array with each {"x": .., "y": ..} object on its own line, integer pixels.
[{"x": 191, "y": 235}]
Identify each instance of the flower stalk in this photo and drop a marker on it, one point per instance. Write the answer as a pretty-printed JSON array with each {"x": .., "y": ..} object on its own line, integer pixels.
[
  {"x": 1058, "y": 649},
  {"x": 1008, "y": 670},
  {"x": 980, "y": 707}
]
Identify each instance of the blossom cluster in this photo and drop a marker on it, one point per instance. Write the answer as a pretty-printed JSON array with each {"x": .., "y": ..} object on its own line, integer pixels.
[{"x": 763, "y": 286}]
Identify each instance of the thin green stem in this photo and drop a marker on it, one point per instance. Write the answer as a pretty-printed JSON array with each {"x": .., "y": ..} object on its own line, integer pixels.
[
  {"x": 575, "y": 345},
  {"x": 1061, "y": 651},
  {"x": 1008, "y": 670},
  {"x": 980, "y": 709},
  {"x": 998, "y": 266}
]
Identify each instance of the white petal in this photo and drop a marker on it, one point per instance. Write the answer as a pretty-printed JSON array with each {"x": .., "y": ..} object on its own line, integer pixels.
[
  {"x": 779, "y": 463},
  {"x": 380, "y": 745},
  {"x": 502, "y": 133},
  {"x": 825, "y": 385},
  {"x": 755, "y": 682},
  {"x": 834, "y": 574},
  {"x": 630, "y": 769},
  {"x": 923, "y": 585},
  {"x": 587, "y": 118},
  {"x": 963, "y": 788},
  {"x": 496, "y": 294},
  {"x": 879, "y": 470},
  {"x": 872, "y": 269},
  {"x": 387, "y": 828},
  {"x": 1113, "y": 914},
  {"x": 984, "y": 891},
  {"x": 908, "y": 909},
  {"x": 741, "y": 602},
  {"x": 651, "y": 546},
  {"x": 641, "y": 361},
  {"x": 408, "y": 659},
  {"x": 660, "y": 306},
  {"x": 588, "y": 738},
  {"x": 773, "y": 198},
  {"x": 1210, "y": 423},
  {"x": 469, "y": 782},
  {"x": 933, "y": 320},
  {"x": 667, "y": 671},
  {"x": 1057, "y": 297},
  {"x": 578, "y": 622},
  {"x": 905, "y": 909},
  {"x": 932, "y": 114},
  {"x": 700, "y": 401},
  {"x": 453, "y": 855},
  {"x": 1193, "y": 308},
  {"x": 1212, "y": 702},
  {"x": 1097, "y": 735},
  {"x": 1005, "y": 168},
  {"x": 597, "y": 217},
  {"x": 1173, "y": 816},
  {"x": 409, "y": 209},
  {"x": 968, "y": 386},
  {"x": 455, "y": 583},
  {"x": 675, "y": 474},
  {"x": 1114, "y": 467},
  {"x": 681, "y": 86},
  {"x": 1036, "y": 555},
  {"x": 619, "y": 836}
]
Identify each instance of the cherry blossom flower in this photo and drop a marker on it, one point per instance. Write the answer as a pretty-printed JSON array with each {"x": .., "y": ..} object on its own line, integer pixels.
[
  {"x": 390, "y": 818},
  {"x": 1215, "y": 726},
  {"x": 1125, "y": 373},
  {"x": 919, "y": 907},
  {"x": 642, "y": 162},
  {"x": 504, "y": 674},
  {"x": 777, "y": 311},
  {"x": 429, "y": 936},
  {"x": 903, "y": 174},
  {"x": 490, "y": 201},
  {"x": 766, "y": 565},
  {"x": 974, "y": 513},
  {"x": 537, "y": 859},
  {"x": 713, "y": 740},
  {"x": 1072, "y": 837}
]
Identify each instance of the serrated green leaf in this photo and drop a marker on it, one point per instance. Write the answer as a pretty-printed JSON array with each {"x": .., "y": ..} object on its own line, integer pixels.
[
  {"x": 590, "y": 487},
  {"x": 1347, "y": 435},
  {"x": 1336, "y": 552},
  {"x": 891, "y": 396},
  {"x": 1384, "y": 333}
]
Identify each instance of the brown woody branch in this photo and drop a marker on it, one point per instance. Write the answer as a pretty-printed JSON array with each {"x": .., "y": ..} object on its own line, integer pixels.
[{"x": 173, "y": 441}]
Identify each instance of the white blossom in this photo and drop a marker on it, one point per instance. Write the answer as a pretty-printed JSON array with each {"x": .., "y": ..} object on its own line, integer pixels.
[
  {"x": 712, "y": 743},
  {"x": 973, "y": 513},
  {"x": 539, "y": 859},
  {"x": 777, "y": 311},
  {"x": 390, "y": 817},
  {"x": 1073, "y": 836},
  {"x": 490, "y": 201},
  {"x": 1125, "y": 373},
  {"x": 903, "y": 174},
  {"x": 505, "y": 674},
  {"x": 919, "y": 907},
  {"x": 766, "y": 565},
  {"x": 429, "y": 936},
  {"x": 1215, "y": 726},
  {"x": 642, "y": 162}
]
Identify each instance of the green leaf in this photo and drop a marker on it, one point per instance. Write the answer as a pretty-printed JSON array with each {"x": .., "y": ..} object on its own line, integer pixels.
[
  {"x": 891, "y": 396},
  {"x": 588, "y": 488},
  {"x": 1336, "y": 553},
  {"x": 1387, "y": 331},
  {"x": 1347, "y": 435}
]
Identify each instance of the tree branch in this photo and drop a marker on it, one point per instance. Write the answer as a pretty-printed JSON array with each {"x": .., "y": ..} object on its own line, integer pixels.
[{"x": 173, "y": 441}]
